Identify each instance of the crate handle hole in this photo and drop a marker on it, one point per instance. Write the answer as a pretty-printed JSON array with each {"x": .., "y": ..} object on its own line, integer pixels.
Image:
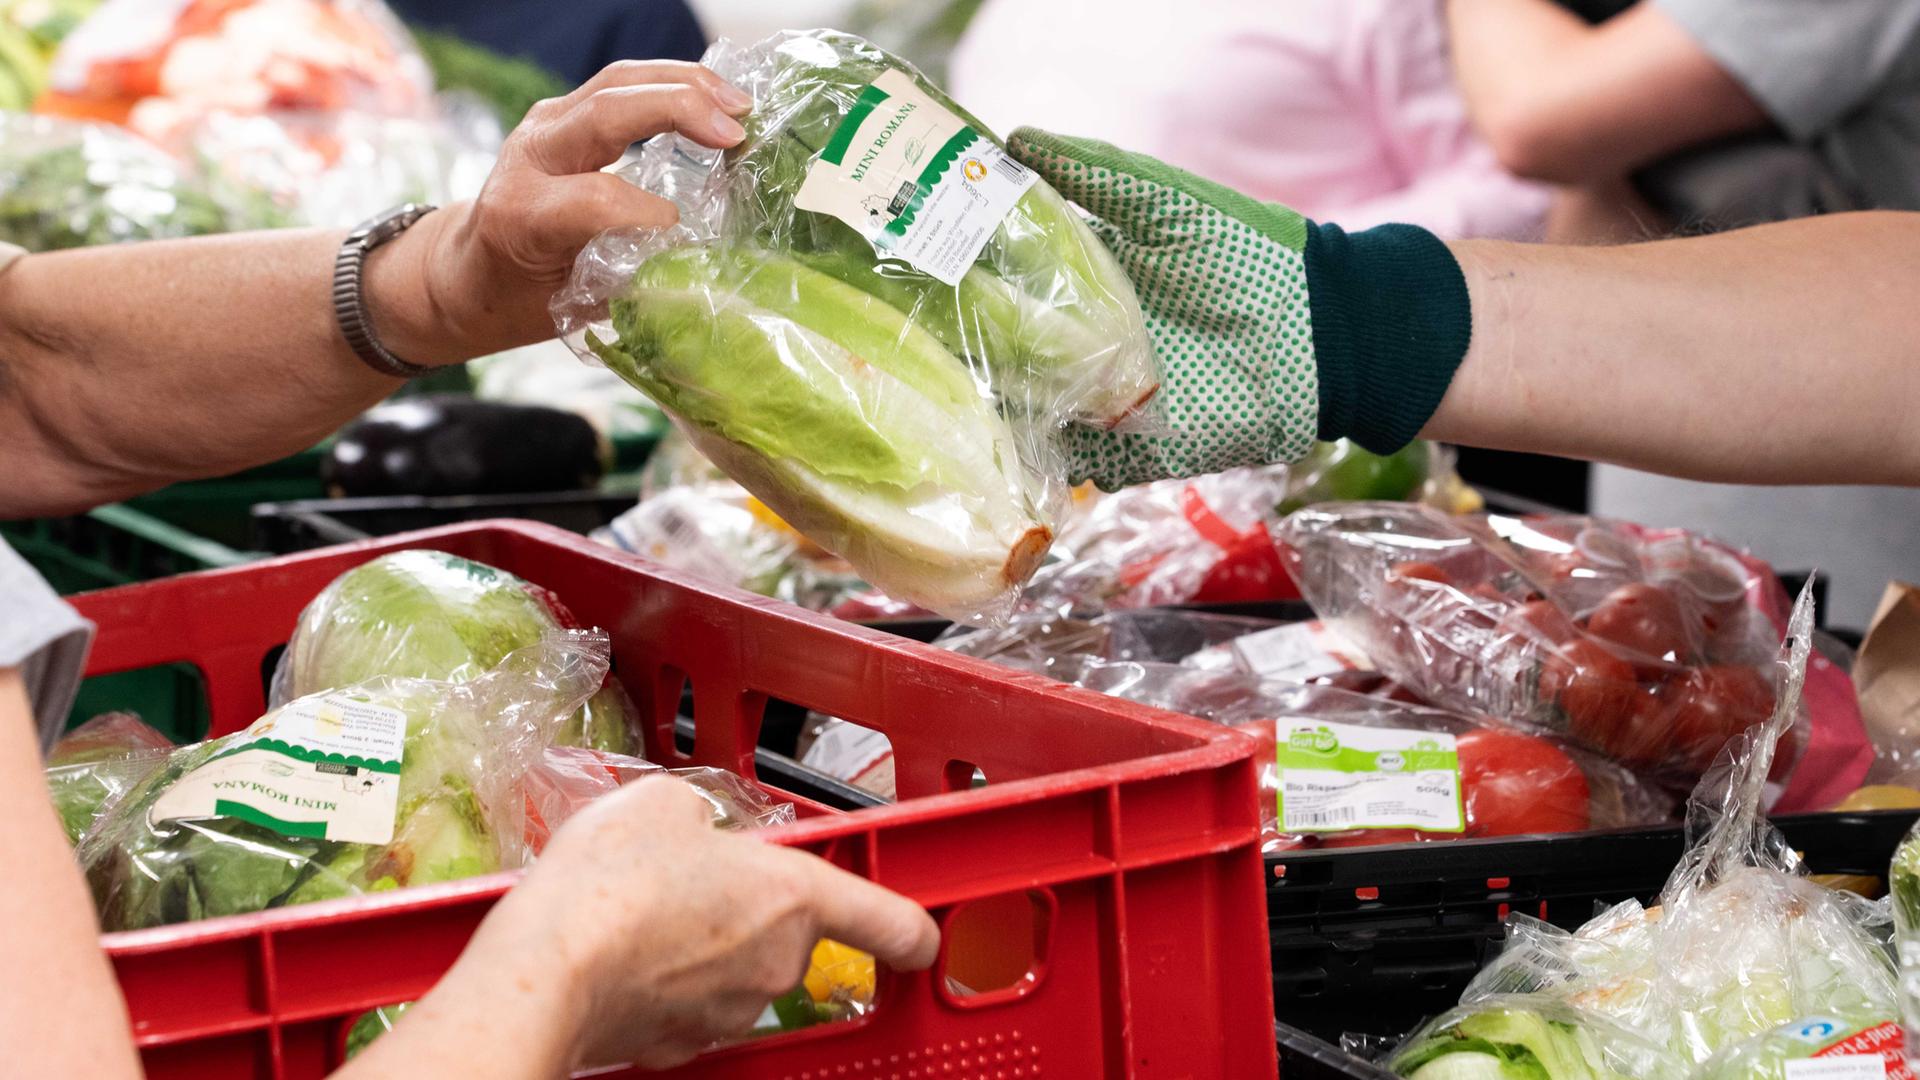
[
  {"x": 995, "y": 948},
  {"x": 963, "y": 776}
]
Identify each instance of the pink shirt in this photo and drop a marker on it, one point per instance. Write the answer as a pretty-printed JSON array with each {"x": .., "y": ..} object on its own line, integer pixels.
[{"x": 1344, "y": 110}]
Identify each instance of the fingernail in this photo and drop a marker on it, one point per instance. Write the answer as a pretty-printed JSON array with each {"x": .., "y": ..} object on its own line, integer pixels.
[
  {"x": 727, "y": 128},
  {"x": 734, "y": 98}
]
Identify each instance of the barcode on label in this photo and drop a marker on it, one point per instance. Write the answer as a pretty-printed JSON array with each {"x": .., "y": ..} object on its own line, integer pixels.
[
  {"x": 1011, "y": 169},
  {"x": 1334, "y": 815}
]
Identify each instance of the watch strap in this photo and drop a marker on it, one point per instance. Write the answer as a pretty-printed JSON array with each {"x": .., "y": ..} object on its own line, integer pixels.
[{"x": 349, "y": 296}]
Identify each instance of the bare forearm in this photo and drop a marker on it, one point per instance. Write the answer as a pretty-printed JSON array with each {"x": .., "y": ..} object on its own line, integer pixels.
[
  {"x": 126, "y": 368},
  {"x": 60, "y": 1012},
  {"x": 1783, "y": 354},
  {"x": 1504, "y": 53}
]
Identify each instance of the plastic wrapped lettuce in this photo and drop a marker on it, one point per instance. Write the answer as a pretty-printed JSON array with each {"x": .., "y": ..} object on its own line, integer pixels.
[
  {"x": 872, "y": 318},
  {"x": 387, "y": 783},
  {"x": 95, "y": 764},
  {"x": 1530, "y": 1039},
  {"x": 1903, "y": 888},
  {"x": 429, "y": 615},
  {"x": 65, "y": 184}
]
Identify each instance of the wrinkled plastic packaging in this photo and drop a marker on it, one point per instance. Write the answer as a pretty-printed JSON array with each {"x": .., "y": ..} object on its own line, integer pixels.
[
  {"x": 1742, "y": 947},
  {"x": 1209, "y": 539},
  {"x": 567, "y": 778},
  {"x": 848, "y": 363},
  {"x": 66, "y": 184},
  {"x": 321, "y": 112},
  {"x": 1501, "y": 782},
  {"x": 429, "y": 615},
  {"x": 97, "y": 763},
  {"x": 1650, "y": 646},
  {"x": 458, "y": 813}
]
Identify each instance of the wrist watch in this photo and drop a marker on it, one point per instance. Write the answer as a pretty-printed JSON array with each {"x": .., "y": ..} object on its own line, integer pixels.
[{"x": 350, "y": 304}]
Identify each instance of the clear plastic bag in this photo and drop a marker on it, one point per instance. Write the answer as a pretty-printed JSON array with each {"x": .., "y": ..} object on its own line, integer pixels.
[
  {"x": 1319, "y": 786},
  {"x": 1530, "y": 1038},
  {"x": 878, "y": 341},
  {"x": 568, "y": 778},
  {"x": 1742, "y": 944},
  {"x": 158, "y": 65},
  {"x": 429, "y": 615},
  {"x": 65, "y": 184},
  {"x": 448, "y": 758},
  {"x": 1651, "y": 646},
  {"x": 97, "y": 763},
  {"x": 1209, "y": 539}
]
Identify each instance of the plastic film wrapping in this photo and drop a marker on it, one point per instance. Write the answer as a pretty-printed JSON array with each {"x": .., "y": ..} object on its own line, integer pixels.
[
  {"x": 871, "y": 318},
  {"x": 1650, "y": 646},
  {"x": 183, "y": 845}
]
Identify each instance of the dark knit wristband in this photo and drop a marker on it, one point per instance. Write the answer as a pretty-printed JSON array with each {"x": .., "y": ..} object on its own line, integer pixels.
[{"x": 1391, "y": 323}]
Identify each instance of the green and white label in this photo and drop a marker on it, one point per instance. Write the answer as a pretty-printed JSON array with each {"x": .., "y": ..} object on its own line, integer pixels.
[
  {"x": 326, "y": 766},
  {"x": 1336, "y": 777},
  {"x": 914, "y": 179}
]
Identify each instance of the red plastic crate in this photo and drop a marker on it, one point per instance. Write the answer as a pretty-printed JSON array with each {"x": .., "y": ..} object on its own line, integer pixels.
[{"x": 1134, "y": 831}]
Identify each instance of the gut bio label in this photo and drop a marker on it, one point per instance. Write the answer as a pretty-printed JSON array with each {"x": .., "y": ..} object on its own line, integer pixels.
[
  {"x": 1336, "y": 777},
  {"x": 325, "y": 766},
  {"x": 918, "y": 182}
]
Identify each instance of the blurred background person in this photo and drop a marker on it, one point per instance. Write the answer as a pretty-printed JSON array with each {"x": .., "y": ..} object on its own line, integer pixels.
[
  {"x": 1343, "y": 109},
  {"x": 573, "y": 40},
  {"x": 1700, "y": 115}
]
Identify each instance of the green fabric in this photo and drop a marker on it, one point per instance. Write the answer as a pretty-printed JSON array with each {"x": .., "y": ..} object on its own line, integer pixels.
[
  {"x": 1251, "y": 374},
  {"x": 1390, "y": 325}
]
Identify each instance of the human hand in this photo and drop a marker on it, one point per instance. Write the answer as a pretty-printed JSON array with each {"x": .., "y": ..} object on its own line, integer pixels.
[
  {"x": 476, "y": 277},
  {"x": 666, "y": 936},
  {"x": 1272, "y": 331}
]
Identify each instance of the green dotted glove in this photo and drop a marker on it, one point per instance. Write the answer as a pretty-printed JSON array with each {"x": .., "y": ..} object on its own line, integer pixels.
[{"x": 1272, "y": 331}]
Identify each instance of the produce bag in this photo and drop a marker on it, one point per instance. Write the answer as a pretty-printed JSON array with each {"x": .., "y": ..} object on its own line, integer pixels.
[
  {"x": 1903, "y": 888},
  {"x": 872, "y": 318},
  {"x": 1745, "y": 963},
  {"x": 429, "y": 615},
  {"x": 156, "y": 65},
  {"x": 1528, "y": 1038},
  {"x": 1209, "y": 539},
  {"x": 567, "y": 778},
  {"x": 1649, "y": 645},
  {"x": 389, "y": 782},
  {"x": 65, "y": 184},
  {"x": 93, "y": 765}
]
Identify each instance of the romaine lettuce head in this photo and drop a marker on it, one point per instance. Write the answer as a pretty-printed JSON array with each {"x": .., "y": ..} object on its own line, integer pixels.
[
  {"x": 413, "y": 614},
  {"x": 842, "y": 416},
  {"x": 1045, "y": 308},
  {"x": 97, "y": 763},
  {"x": 459, "y": 809},
  {"x": 1522, "y": 1037}
]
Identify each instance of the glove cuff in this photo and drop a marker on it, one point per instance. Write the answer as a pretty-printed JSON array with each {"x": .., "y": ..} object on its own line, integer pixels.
[{"x": 1391, "y": 323}]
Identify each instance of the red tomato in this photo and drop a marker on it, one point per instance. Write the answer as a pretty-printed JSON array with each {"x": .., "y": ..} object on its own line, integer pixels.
[
  {"x": 1516, "y": 783},
  {"x": 1711, "y": 705},
  {"x": 1645, "y": 619},
  {"x": 1537, "y": 619},
  {"x": 1598, "y": 692},
  {"x": 1418, "y": 571}
]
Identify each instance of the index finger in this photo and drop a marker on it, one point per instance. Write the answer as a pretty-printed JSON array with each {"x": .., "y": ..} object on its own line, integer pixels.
[
  {"x": 856, "y": 912},
  {"x": 653, "y": 72}
]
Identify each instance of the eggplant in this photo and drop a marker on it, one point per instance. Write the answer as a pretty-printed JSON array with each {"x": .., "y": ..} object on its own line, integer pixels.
[{"x": 453, "y": 444}]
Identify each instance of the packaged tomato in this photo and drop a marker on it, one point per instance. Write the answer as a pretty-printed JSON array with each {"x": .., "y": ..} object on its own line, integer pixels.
[
  {"x": 1351, "y": 762},
  {"x": 1651, "y": 646}
]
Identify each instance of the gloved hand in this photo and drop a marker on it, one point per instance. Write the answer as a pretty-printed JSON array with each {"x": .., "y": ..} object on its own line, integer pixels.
[{"x": 1272, "y": 330}]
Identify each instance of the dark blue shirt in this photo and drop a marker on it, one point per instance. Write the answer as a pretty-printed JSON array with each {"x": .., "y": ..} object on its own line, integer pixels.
[{"x": 572, "y": 39}]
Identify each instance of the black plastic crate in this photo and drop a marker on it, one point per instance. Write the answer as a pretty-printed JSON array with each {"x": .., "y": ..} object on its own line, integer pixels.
[
  {"x": 286, "y": 527},
  {"x": 1374, "y": 940}
]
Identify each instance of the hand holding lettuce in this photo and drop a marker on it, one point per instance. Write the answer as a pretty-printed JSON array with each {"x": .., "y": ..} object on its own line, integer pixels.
[{"x": 873, "y": 319}]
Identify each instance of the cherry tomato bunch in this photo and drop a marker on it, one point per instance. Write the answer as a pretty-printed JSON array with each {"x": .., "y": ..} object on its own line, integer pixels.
[{"x": 1655, "y": 672}]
